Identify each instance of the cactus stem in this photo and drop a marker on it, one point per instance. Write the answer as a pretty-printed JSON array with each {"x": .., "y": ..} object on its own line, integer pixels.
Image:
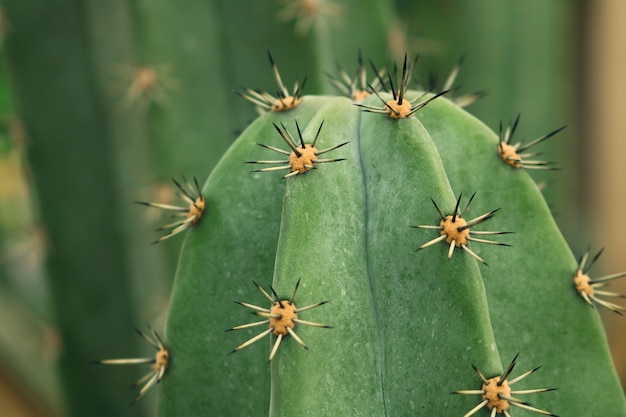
[
  {"x": 455, "y": 230},
  {"x": 588, "y": 288},
  {"x": 192, "y": 195},
  {"x": 512, "y": 154},
  {"x": 282, "y": 102},
  {"x": 282, "y": 318},
  {"x": 302, "y": 157},
  {"x": 497, "y": 394},
  {"x": 159, "y": 361}
]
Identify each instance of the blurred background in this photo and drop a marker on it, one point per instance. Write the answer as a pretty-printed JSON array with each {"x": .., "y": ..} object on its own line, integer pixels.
[{"x": 103, "y": 102}]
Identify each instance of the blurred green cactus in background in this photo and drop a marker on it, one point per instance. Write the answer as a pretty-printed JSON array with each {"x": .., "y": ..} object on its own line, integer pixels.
[{"x": 102, "y": 104}]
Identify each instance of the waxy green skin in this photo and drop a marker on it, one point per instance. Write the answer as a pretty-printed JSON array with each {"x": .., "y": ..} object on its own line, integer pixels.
[
  {"x": 323, "y": 243},
  {"x": 406, "y": 325},
  {"x": 534, "y": 307}
]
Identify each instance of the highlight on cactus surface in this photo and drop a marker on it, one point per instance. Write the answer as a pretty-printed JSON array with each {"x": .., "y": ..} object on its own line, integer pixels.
[
  {"x": 513, "y": 154},
  {"x": 281, "y": 319},
  {"x": 399, "y": 107},
  {"x": 191, "y": 214},
  {"x": 284, "y": 100},
  {"x": 357, "y": 88},
  {"x": 302, "y": 157},
  {"x": 455, "y": 230},
  {"x": 159, "y": 363},
  {"x": 589, "y": 289},
  {"x": 498, "y": 396}
]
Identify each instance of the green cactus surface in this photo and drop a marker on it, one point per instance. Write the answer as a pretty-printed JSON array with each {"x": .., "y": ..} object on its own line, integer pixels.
[{"x": 370, "y": 299}]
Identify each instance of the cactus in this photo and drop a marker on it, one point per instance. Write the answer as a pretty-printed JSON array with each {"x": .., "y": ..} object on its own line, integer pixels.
[
  {"x": 380, "y": 226},
  {"x": 372, "y": 236}
]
